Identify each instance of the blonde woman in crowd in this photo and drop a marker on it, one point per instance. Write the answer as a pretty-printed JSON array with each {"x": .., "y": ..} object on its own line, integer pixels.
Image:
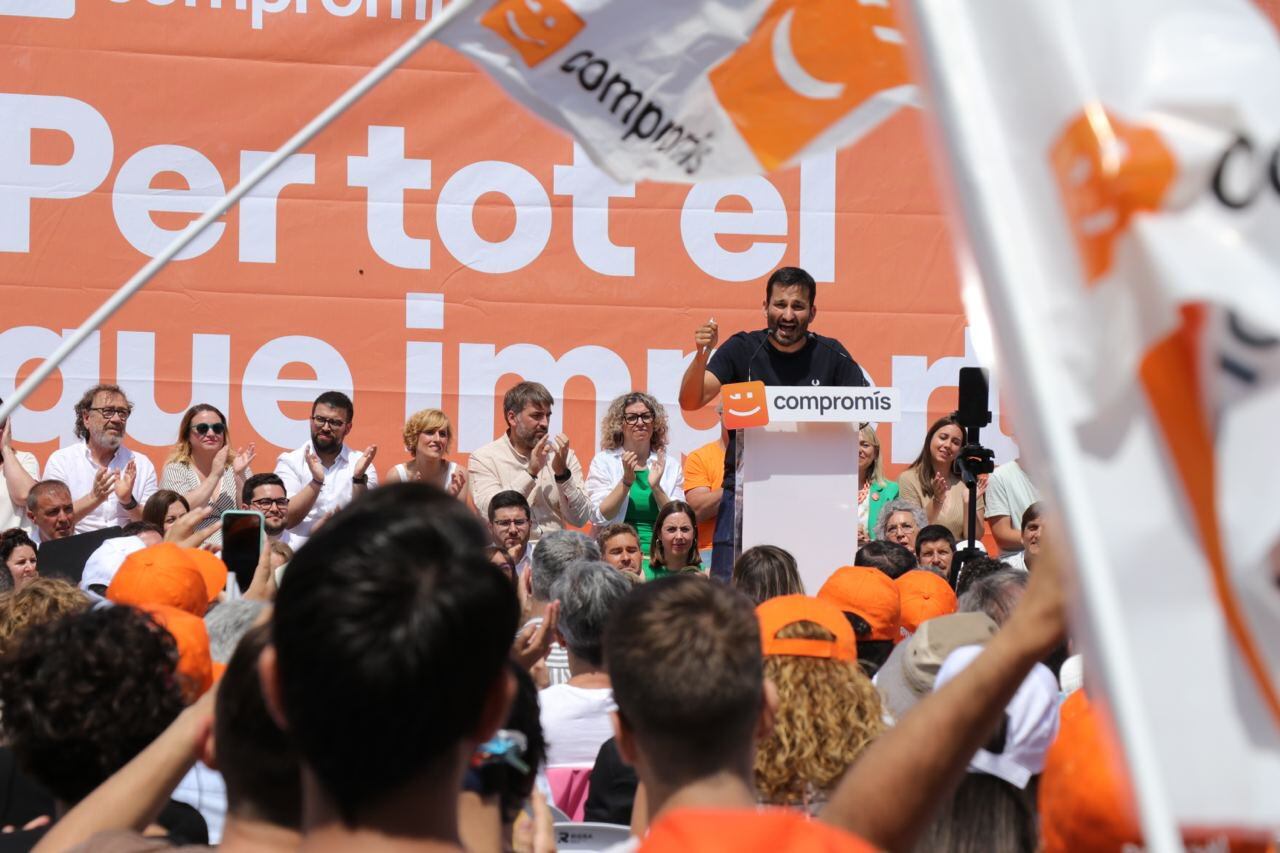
[
  {"x": 427, "y": 436},
  {"x": 203, "y": 468},
  {"x": 874, "y": 491}
]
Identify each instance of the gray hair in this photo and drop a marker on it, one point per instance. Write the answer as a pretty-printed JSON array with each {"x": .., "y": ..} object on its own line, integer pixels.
[
  {"x": 995, "y": 595},
  {"x": 588, "y": 591},
  {"x": 900, "y": 505},
  {"x": 227, "y": 623},
  {"x": 553, "y": 555}
]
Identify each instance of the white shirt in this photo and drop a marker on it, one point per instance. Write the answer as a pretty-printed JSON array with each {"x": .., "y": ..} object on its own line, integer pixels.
[
  {"x": 292, "y": 467},
  {"x": 1009, "y": 492},
  {"x": 76, "y": 467},
  {"x": 575, "y": 723},
  {"x": 15, "y": 515},
  {"x": 606, "y": 472}
]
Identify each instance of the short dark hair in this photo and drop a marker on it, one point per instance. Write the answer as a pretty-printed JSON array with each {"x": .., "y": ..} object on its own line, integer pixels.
[
  {"x": 935, "y": 533},
  {"x": 335, "y": 400},
  {"x": 1032, "y": 513},
  {"x": 157, "y": 506},
  {"x": 657, "y": 554},
  {"x": 618, "y": 528},
  {"x": 84, "y": 694},
  {"x": 524, "y": 393},
  {"x": 252, "y": 484},
  {"x": 889, "y": 557},
  {"x": 256, "y": 759},
  {"x": 10, "y": 541},
  {"x": 391, "y": 624},
  {"x": 133, "y": 528},
  {"x": 974, "y": 570},
  {"x": 792, "y": 277},
  {"x": 33, "y": 496},
  {"x": 687, "y": 673},
  {"x": 767, "y": 571},
  {"x": 506, "y": 499}
]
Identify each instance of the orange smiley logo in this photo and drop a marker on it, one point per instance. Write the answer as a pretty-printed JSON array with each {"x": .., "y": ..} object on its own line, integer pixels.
[
  {"x": 745, "y": 405},
  {"x": 535, "y": 28}
]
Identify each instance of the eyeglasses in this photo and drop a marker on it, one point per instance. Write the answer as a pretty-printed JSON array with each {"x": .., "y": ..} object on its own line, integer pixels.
[
  {"x": 332, "y": 423},
  {"x": 268, "y": 503},
  {"x": 511, "y": 522},
  {"x": 110, "y": 413},
  {"x": 218, "y": 429},
  {"x": 638, "y": 417}
]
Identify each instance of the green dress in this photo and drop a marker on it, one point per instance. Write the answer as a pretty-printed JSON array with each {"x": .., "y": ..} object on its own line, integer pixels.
[{"x": 642, "y": 512}]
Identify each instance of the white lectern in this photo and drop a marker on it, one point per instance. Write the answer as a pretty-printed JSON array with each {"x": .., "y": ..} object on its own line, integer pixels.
[{"x": 797, "y": 469}]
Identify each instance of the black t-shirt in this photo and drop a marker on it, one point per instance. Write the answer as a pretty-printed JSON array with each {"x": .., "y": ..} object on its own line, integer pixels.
[{"x": 750, "y": 356}]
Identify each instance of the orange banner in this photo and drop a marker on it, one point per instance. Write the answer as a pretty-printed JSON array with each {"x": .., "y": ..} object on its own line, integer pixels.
[{"x": 434, "y": 246}]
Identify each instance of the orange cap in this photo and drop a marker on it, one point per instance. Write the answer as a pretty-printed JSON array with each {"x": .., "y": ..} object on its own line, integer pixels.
[
  {"x": 195, "y": 665},
  {"x": 211, "y": 569},
  {"x": 1086, "y": 802},
  {"x": 923, "y": 595},
  {"x": 776, "y": 830},
  {"x": 161, "y": 574},
  {"x": 870, "y": 594},
  {"x": 777, "y": 613}
]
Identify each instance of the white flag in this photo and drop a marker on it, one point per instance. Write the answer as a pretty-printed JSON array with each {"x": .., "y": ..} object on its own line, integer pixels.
[{"x": 682, "y": 90}]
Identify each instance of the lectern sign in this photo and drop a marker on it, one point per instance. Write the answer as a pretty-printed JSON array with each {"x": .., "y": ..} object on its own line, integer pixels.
[{"x": 752, "y": 404}]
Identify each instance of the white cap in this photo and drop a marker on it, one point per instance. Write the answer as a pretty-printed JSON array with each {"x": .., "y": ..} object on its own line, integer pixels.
[
  {"x": 1032, "y": 721},
  {"x": 102, "y": 565},
  {"x": 1071, "y": 676}
]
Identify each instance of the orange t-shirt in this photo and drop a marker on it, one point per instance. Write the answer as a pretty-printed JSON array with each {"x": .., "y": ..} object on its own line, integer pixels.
[
  {"x": 704, "y": 468},
  {"x": 737, "y": 830}
]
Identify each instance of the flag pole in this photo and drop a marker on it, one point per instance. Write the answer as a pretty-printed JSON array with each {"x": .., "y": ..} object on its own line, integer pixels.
[{"x": 344, "y": 102}]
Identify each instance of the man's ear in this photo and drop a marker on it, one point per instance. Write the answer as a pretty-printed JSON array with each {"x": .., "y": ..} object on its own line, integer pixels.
[
  {"x": 624, "y": 737},
  {"x": 813, "y": 312},
  {"x": 768, "y": 711},
  {"x": 269, "y": 677},
  {"x": 497, "y": 706}
]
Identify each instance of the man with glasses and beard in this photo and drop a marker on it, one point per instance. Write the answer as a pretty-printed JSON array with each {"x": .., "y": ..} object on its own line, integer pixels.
[
  {"x": 265, "y": 493},
  {"x": 323, "y": 475},
  {"x": 784, "y": 353},
  {"x": 108, "y": 482}
]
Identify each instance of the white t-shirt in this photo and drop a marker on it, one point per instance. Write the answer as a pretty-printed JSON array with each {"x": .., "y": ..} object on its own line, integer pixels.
[
  {"x": 1009, "y": 492},
  {"x": 575, "y": 723},
  {"x": 11, "y": 514},
  {"x": 76, "y": 467}
]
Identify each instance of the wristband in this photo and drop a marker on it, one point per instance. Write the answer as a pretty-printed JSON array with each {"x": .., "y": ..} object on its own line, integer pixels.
[
  {"x": 360, "y": 481},
  {"x": 132, "y": 505},
  {"x": 564, "y": 478},
  {"x": 319, "y": 484}
]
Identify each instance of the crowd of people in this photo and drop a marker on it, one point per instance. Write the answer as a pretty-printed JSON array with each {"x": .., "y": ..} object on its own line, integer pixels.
[{"x": 515, "y": 654}]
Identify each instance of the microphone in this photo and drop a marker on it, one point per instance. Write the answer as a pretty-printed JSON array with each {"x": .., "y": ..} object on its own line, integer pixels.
[{"x": 768, "y": 333}]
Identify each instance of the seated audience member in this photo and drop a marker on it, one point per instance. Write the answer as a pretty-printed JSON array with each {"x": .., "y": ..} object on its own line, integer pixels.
[
  {"x": 828, "y": 711},
  {"x": 922, "y": 595},
  {"x": 498, "y": 556},
  {"x": 85, "y": 694},
  {"x": 765, "y": 572},
  {"x": 263, "y": 789},
  {"x": 205, "y": 468},
  {"x": 900, "y": 521},
  {"x": 931, "y": 483},
  {"x": 228, "y": 622},
  {"x": 511, "y": 525},
  {"x": 995, "y": 594},
  {"x": 551, "y": 559},
  {"x": 612, "y": 790},
  {"x": 575, "y": 714},
  {"x": 704, "y": 486},
  {"x": 527, "y": 459},
  {"x": 164, "y": 508},
  {"x": 427, "y": 434},
  {"x": 17, "y": 560},
  {"x": 976, "y": 569},
  {"x": 108, "y": 481},
  {"x": 874, "y": 491},
  {"x": 869, "y": 600},
  {"x": 687, "y": 722},
  {"x": 620, "y": 547},
  {"x": 43, "y": 600},
  {"x": 995, "y": 806},
  {"x": 366, "y": 675},
  {"x": 101, "y": 567},
  {"x": 498, "y": 785},
  {"x": 675, "y": 543},
  {"x": 887, "y": 556},
  {"x": 265, "y": 493},
  {"x": 631, "y": 479},
  {"x": 51, "y": 511},
  {"x": 21, "y": 472},
  {"x": 1008, "y": 494},
  {"x": 936, "y": 549},
  {"x": 908, "y": 675},
  {"x": 324, "y": 475},
  {"x": 1032, "y": 525}
]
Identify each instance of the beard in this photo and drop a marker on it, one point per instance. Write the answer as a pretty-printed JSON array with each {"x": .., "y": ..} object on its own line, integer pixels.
[
  {"x": 325, "y": 441},
  {"x": 797, "y": 332}
]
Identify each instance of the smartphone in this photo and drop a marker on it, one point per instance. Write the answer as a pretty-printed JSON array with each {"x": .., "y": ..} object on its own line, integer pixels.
[{"x": 243, "y": 537}]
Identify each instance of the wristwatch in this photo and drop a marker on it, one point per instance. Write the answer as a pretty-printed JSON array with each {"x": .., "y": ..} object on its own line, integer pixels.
[
  {"x": 131, "y": 505},
  {"x": 360, "y": 481},
  {"x": 564, "y": 478}
]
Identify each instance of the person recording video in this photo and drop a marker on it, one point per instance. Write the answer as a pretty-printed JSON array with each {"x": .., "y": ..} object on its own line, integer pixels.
[{"x": 783, "y": 353}]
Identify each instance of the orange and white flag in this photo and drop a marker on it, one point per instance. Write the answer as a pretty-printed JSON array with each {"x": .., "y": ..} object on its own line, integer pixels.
[
  {"x": 680, "y": 90},
  {"x": 1118, "y": 170}
]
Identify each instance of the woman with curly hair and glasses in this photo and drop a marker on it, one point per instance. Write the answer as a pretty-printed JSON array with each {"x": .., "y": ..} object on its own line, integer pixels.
[
  {"x": 828, "y": 711},
  {"x": 204, "y": 468},
  {"x": 427, "y": 435},
  {"x": 17, "y": 560},
  {"x": 631, "y": 479}
]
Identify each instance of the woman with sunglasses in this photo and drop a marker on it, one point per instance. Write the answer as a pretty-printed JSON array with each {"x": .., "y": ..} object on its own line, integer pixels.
[
  {"x": 631, "y": 479},
  {"x": 202, "y": 467}
]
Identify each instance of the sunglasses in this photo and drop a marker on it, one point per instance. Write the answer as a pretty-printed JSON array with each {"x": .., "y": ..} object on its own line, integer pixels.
[{"x": 218, "y": 429}]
